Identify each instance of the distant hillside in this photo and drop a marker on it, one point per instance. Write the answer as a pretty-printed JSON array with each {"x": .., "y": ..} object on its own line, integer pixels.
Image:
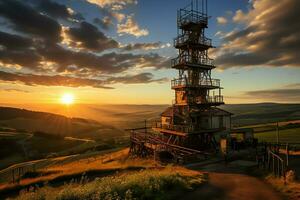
[
  {"x": 27, "y": 135},
  {"x": 8, "y": 113},
  {"x": 247, "y": 114},
  {"x": 130, "y": 116},
  {"x": 33, "y": 121},
  {"x": 244, "y": 114}
]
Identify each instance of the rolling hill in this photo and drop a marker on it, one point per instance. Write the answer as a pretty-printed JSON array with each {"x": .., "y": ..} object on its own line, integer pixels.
[{"x": 27, "y": 135}]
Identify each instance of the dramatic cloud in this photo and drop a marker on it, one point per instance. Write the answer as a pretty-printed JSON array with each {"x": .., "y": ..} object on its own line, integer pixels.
[
  {"x": 140, "y": 78},
  {"x": 131, "y": 27},
  {"x": 29, "y": 21},
  {"x": 44, "y": 45},
  {"x": 107, "y": 63},
  {"x": 270, "y": 36},
  {"x": 58, "y": 80},
  {"x": 114, "y": 4},
  {"x": 14, "y": 90},
  {"x": 14, "y": 42},
  {"x": 17, "y": 51},
  {"x": 54, "y": 9},
  {"x": 240, "y": 17},
  {"x": 88, "y": 36},
  {"x": 143, "y": 46},
  {"x": 222, "y": 20},
  {"x": 104, "y": 23}
]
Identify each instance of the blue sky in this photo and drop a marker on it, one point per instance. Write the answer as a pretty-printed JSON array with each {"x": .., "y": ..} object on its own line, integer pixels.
[{"x": 256, "y": 63}]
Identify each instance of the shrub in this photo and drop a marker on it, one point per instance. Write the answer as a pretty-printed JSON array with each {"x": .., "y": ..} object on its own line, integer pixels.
[{"x": 145, "y": 184}]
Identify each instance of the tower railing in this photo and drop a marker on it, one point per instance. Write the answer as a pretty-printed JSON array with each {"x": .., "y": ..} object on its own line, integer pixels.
[
  {"x": 172, "y": 127},
  {"x": 191, "y": 16},
  {"x": 201, "y": 83},
  {"x": 187, "y": 59},
  {"x": 207, "y": 99},
  {"x": 217, "y": 99},
  {"x": 186, "y": 39}
]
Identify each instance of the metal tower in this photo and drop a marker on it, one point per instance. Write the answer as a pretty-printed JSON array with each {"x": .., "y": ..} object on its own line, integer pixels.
[
  {"x": 188, "y": 128},
  {"x": 196, "y": 93}
]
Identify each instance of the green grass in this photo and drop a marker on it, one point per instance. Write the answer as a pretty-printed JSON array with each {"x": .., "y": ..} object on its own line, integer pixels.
[
  {"x": 164, "y": 183},
  {"x": 285, "y": 136}
]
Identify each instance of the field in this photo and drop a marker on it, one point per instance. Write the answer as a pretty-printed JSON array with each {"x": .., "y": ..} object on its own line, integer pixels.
[
  {"x": 262, "y": 113},
  {"x": 22, "y": 146},
  {"x": 285, "y": 136}
]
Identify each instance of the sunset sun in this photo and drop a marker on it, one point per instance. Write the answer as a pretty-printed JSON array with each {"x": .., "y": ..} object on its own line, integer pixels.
[{"x": 67, "y": 99}]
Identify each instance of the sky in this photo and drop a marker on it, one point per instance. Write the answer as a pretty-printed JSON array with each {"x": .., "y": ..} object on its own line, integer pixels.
[{"x": 119, "y": 51}]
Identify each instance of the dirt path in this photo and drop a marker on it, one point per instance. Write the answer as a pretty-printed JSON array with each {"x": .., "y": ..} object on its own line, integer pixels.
[
  {"x": 234, "y": 187},
  {"x": 231, "y": 183}
]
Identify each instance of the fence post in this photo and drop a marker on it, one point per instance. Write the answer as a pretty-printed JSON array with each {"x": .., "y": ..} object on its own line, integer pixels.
[
  {"x": 19, "y": 174},
  {"x": 273, "y": 164},
  {"x": 13, "y": 175},
  {"x": 278, "y": 167},
  {"x": 287, "y": 155},
  {"x": 277, "y": 131},
  {"x": 269, "y": 161},
  {"x": 283, "y": 173}
]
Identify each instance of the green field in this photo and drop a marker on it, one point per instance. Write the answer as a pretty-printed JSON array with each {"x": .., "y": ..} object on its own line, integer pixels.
[{"x": 285, "y": 136}]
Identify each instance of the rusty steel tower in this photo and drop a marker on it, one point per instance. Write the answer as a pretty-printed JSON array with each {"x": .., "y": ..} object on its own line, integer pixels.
[
  {"x": 194, "y": 117},
  {"x": 189, "y": 127}
]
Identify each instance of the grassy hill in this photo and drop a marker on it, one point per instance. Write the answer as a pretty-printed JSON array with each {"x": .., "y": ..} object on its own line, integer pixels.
[
  {"x": 33, "y": 121},
  {"x": 128, "y": 116},
  {"x": 248, "y": 114},
  {"x": 103, "y": 176},
  {"x": 27, "y": 135}
]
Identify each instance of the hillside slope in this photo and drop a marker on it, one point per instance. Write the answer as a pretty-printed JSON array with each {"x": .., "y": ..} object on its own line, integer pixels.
[{"x": 248, "y": 114}]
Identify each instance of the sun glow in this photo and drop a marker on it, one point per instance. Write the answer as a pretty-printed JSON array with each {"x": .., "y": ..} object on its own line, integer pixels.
[{"x": 67, "y": 99}]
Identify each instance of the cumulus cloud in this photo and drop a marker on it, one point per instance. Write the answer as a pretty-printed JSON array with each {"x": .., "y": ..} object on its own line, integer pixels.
[
  {"x": 22, "y": 51},
  {"x": 143, "y": 46},
  {"x": 88, "y": 36},
  {"x": 29, "y": 21},
  {"x": 104, "y": 23},
  {"x": 114, "y": 4},
  {"x": 222, "y": 20},
  {"x": 240, "y": 17},
  {"x": 269, "y": 37},
  {"x": 139, "y": 78},
  {"x": 131, "y": 27},
  {"x": 13, "y": 90},
  {"x": 59, "y": 80},
  {"x": 55, "y": 9},
  {"x": 54, "y": 50}
]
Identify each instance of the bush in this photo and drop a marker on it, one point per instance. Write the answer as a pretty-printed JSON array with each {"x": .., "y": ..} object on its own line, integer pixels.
[{"x": 145, "y": 184}]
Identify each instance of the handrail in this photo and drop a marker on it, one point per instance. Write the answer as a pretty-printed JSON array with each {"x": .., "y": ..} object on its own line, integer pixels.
[
  {"x": 187, "y": 59},
  {"x": 272, "y": 161},
  {"x": 207, "y": 99},
  {"x": 218, "y": 99},
  {"x": 186, "y": 16},
  {"x": 179, "y": 128},
  {"x": 154, "y": 140},
  {"x": 201, "y": 82},
  {"x": 181, "y": 39},
  {"x": 275, "y": 155}
]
